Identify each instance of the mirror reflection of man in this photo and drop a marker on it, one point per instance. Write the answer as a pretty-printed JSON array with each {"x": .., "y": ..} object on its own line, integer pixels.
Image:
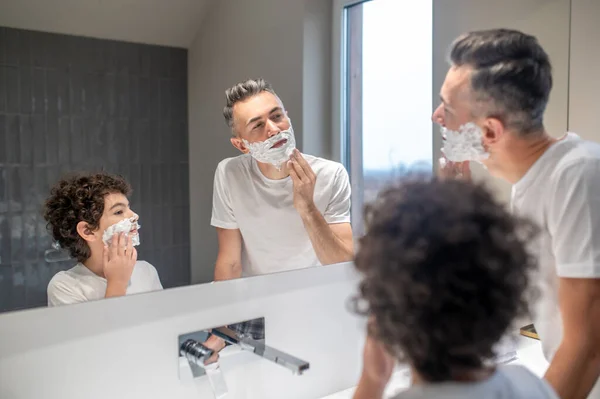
[{"x": 274, "y": 208}]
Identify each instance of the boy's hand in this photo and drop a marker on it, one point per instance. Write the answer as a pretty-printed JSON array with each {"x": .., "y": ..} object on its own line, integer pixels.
[
  {"x": 119, "y": 261},
  {"x": 378, "y": 366}
]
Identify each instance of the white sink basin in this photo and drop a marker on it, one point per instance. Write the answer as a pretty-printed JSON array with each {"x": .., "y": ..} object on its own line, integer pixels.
[{"x": 240, "y": 369}]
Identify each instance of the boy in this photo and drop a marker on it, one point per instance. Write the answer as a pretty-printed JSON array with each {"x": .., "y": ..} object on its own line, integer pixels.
[
  {"x": 445, "y": 274},
  {"x": 78, "y": 213}
]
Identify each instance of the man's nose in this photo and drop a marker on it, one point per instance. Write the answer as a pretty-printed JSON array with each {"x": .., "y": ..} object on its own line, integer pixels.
[
  {"x": 438, "y": 116},
  {"x": 272, "y": 129}
]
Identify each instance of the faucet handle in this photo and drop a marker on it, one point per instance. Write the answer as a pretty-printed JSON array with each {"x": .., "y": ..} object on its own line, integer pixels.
[{"x": 195, "y": 352}]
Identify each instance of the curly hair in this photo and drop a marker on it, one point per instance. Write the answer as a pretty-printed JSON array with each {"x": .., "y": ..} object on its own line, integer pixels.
[
  {"x": 445, "y": 273},
  {"x": 79, "y": 198}
]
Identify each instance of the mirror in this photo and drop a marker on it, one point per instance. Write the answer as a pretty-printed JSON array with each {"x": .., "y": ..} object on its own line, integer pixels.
[
  {"x": 78, "y": 97},
  {"x": 147, "y": 104}
]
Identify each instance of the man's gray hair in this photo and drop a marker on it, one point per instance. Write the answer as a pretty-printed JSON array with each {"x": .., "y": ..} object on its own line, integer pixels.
[
  {"x": 512, "y": 76},
  {"x": 241, "y": 92}
]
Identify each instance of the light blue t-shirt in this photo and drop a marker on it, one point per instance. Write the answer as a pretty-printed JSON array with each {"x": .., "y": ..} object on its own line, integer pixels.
[{"x": 508, "y": 382}]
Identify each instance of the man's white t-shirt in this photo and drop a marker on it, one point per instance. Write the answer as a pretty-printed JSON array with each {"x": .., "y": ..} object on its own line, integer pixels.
[
  {"x": 80, "y": 284},
  {"x": 274, "y": 237},
  {"x": 561, "y": 193}
]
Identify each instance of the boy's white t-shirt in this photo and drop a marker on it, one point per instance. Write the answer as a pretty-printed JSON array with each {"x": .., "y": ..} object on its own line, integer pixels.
[
  {"x": 274, "y": 237},
  {"x": 508, "y": 382},
  {"x": 80, "y": 284},
  {"x": 561, "y": 194}
]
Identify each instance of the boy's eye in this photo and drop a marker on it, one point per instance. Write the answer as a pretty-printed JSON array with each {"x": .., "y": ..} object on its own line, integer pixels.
[{"x": 118, "y": 212}]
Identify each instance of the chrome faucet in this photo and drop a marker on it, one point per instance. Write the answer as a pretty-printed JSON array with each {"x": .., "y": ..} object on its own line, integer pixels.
[
  {"x": 195, "y": 352},
  {"x": 298, "y": 366},
  {"x": 198, "y": 354}
]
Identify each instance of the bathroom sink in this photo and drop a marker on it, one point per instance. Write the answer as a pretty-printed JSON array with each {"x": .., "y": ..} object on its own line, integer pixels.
[{"x": 240, "y": 370}]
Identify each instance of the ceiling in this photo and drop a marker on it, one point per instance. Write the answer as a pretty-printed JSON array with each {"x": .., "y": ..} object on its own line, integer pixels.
[{"x": 163, "y": 22}]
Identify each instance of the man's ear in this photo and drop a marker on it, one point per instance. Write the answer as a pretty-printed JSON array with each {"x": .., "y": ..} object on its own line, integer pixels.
[
  {"x": 85, "y": 232},
  {"x": 493, "y": 130},
  {"x": 239, "y": 144}
]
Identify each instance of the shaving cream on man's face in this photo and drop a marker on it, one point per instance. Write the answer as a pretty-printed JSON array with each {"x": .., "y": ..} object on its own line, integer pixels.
[
  {"x": 465, "y": 144},
  {"x": 124, "y": 226},
  {"x": 265, "y": 152}
]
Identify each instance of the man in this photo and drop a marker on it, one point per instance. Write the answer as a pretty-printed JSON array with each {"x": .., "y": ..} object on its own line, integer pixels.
[
  {"x": 274, "y": 208},
  {"x": 492, "y": 107},
  {"x": 429, "y": 246}
]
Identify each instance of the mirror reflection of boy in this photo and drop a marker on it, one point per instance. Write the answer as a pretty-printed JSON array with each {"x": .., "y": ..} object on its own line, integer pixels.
[{"x": 78, "y": 211}]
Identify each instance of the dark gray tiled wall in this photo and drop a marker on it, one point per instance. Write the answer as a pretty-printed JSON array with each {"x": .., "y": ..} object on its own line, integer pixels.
[{"x": 70, "y": 103}]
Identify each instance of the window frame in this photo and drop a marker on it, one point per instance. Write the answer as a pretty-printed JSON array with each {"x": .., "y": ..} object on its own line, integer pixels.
[{"x": 342, "y": 141}]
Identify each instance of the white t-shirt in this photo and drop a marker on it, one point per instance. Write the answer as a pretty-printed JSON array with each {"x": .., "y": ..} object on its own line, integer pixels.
[
  {"x": 561, "y": 193},
  {"x": 80, "y": 284},
  {"x": 508, "y": 382},
  {"x": 262, "y": 209}
]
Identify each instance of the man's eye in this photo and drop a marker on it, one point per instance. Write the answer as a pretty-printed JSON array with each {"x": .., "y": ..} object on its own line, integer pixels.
[{"x": 258, "y": 126}]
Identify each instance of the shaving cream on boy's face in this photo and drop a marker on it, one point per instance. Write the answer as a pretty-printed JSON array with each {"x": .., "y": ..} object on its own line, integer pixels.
[
  {"x": 124, "y": 226},
  {"x": 465, "y": 144},
  {"x": 275, "y": 150}
]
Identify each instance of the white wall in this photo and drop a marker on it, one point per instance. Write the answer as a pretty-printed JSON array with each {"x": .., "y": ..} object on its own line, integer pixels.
[
  {"x": 166, "y": 23},
  {"x": 280, "y": 40},
  {"x": 127, "y": 347},
  {"x": 584, "y": 85},
  {"x": 548, "y": 20},
  {"x": 317, "y": 78}
]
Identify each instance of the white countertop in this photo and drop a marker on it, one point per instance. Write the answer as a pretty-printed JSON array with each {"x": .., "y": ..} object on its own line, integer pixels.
[{"x": 529, "y": 354}]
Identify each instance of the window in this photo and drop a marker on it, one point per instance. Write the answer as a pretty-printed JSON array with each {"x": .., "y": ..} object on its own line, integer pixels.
[{"x": 382, "y": 93}]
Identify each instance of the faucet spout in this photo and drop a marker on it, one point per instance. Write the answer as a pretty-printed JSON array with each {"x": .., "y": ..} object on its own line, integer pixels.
[{"x": 296, "y": 365}]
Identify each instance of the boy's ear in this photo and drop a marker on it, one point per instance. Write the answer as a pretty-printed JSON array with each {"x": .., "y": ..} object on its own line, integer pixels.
[{"x": 85, "y": 232}]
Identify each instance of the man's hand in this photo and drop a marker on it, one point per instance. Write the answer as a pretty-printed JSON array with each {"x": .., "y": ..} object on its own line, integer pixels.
[
  {"x": 119, "y": 261},
  {"x": 378, "y": 366},
  {"x": 332, "y": 243},
  {"x": 216, "y": 344},
  {"x": 304, "y": 179},
  {"x": 454, "y": 170}
]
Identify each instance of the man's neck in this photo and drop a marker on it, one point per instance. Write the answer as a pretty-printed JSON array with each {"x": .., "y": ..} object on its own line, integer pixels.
[
  {"x": 271, "y": 172},
  {"x": 95, "y": 264},
  {"x": 522, "y": 154}
]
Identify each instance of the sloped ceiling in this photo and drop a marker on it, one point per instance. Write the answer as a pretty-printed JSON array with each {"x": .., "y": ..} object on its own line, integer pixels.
[{"x": 163, "y": 22}]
